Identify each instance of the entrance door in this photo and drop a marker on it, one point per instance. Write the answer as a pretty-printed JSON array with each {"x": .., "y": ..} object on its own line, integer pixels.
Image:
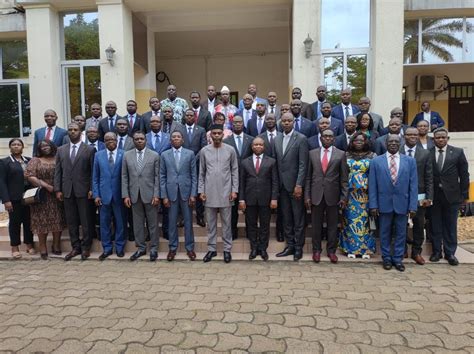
[
  {"x": 81, "y": 87},
  {"x": 461, "y": 107}
]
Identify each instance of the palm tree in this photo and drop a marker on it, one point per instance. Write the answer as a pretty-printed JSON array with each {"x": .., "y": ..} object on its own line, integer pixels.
[{"x": 437, "y": 36}]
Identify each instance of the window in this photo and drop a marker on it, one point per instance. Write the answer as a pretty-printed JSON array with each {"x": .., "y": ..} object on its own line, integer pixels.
[
  {"x": 81, "y": 36},
  {"x": 442, "y": 40},
  {"x": 14, "y": 109},
  {"x": 14, "y": 59}
]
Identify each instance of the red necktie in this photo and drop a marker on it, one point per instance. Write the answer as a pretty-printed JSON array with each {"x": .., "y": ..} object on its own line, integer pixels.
[
  {"x": 131, "y": 122},
  {"x": 257, "y": 164},
  {"x": 324, "y": 161},
  {"x": 48, "y": 134}
]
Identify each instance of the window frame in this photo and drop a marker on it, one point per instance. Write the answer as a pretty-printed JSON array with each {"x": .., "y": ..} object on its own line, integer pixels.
[{"x": 18, "y": 83}]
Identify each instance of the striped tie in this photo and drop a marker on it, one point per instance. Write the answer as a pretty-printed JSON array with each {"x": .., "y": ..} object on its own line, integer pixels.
[
  {"x": 140, "y": 160},
  {"x": 393, "y": 169}
]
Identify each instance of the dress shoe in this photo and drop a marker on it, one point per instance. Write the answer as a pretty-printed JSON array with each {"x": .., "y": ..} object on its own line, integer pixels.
[
  {"x": 298, "y": 254},
  {"x": 435, "y": 257},
  {"x": 120, "y": 254},
  {"x": 288, "y": 251},
  {"x": 200, "y": 221},
  {"x": 332, "y": 257},
  {"x": 253, "y": 254},
  {"x": 316, "y": 256},
  {"x": 264, "y": 255},
  {"x": 72, "y": 254},
  {"x": 452, "y": 260},
  {"x": 85, "y": 255},
  {"x": 280, "y": 237},
  {"x": 387, "y": 265},
  {"x": 227, "y": 257},
  {"x": 104, "y": 255},
  {"x": 170, "y": 256},
  {"x": 153, "y": 256},
  {"x": 209, "y": 255},
  {"x": 418, "y": 259},
  {"x": 400, "y": 267},
  {"x": 137, "y": 255},
  {"x": 191, "y": 255}
]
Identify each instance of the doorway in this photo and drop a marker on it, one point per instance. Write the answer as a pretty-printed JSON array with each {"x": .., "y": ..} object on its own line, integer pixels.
[{"x": 461, "y": 107}]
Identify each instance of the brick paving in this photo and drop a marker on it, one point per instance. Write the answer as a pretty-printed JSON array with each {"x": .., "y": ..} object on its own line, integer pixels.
[{"x": 115, "y": 306}]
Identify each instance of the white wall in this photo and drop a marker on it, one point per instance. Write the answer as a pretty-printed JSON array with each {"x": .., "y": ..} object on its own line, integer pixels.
[{"x": 236, "y": 58}]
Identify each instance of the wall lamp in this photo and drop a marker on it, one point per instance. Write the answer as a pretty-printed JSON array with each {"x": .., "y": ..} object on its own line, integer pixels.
[
  {"x": 308, "y": 46},
  {"x": 109, "y": 54}
]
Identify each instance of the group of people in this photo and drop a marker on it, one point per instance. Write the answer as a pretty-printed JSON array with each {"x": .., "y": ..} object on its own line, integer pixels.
[{"x": 339, "y": 162}]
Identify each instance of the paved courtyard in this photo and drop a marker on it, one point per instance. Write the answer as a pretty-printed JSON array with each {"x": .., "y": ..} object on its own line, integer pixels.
[{"x": 117, "y": 306}]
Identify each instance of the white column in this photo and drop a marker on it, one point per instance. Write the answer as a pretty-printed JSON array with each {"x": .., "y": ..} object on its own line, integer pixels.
[
  {"x": 115, "y": 29},
  {"x": 306, "y": 73},
  {"x": 387, "y": 56},
  {"x": 145, "y": 80},
  {"x": 42, "y": 38}
]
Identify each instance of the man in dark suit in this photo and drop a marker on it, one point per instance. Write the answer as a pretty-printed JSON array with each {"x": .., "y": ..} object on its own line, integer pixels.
[
  {"x": 451, "y": 190},
  {"x": 314, "y": 110},
  {"x": 81, "y": 122},
  {"x": 258, "y": 194},
  {"x": 156, "y": 139},
  {"x": 433, "y": 118},
  {"x": 135, "y": 121},
  {"x": 271, "y": 132},
  {"x": 155, "y": 110},
  {"x": 273, "y": 107},
  {"x": 108, "y": 123},
  {"x": 394, "y": 128},
  {"x": 291, "y": 152},
  {"x": 247, "y": 112},
  {"x": 202, "y": 117},
  {"x": 256, "y": 125},
  {"x": 326, "y": 191},
  {"x": 51, "y": 132},
  {"x": 301, "y": 124},
  {"x": 141, "y": 193},
  {"x": 242, "y": 144},
  {"x": 73, "y": 185},
  {"x": 342, "y": 141},
  {"x": 425, "y": 189},
  {"x": 345, "y": 108},
  {"x": 107, "y": 194},
  {"x": 125, "y": 141},
  {"x": 169, "y": 123},
  {"x": 335, "y": 125},
  {"x": 393, "y": 195},
  {"x": 211, "y": 102}
]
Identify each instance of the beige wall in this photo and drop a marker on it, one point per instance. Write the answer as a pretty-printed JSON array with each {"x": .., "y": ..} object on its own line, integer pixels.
[{"x": 236, "y": 58}]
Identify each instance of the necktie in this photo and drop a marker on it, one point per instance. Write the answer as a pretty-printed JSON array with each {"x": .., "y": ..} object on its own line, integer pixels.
[
  {"x": 111, "y": 160},
  {"x": 259, "y": 125},
  {"x": 440, "y": 160},
  {"x": 111, "y": 124},
  {"x": 73, "y": 153},
  {"x": 272, "y": 110},
  {"x": 93, "y": 145},
  {"x": 297, "y": 124},
  {"x": 257, "y": 164},
  {"x": 239, "y": 144},
  {"x": 410, "y": 152},
  {"x": 48, "y": 134},
  {"x": 393, "y": 169},
  {"x": 190, "y": 134},
  {"x": 140, "y": 160},
  {"x": 325, "y": 161},
  {"x": 347, "y": 111},
  {"x": 131, "y": 122},
  {"x": 121, "y": 143},
  {"x": 271, "y": 139},
  {"x": 176, "y": 158}
]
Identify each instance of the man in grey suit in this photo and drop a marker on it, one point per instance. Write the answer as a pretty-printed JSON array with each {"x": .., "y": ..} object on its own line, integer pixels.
[
  {"x": 364, "y": 105},
  {"x": 291, "y": 152},
  {"x": 94, "y": 119},
  {"x": 326, "y": 191},
  {"x": 140, "y": 190},
  {"x": 425, "y": 189},
  {"x": 73, "y": 185},
  {"x": 178, "y": 189},
  {"x": 218, "y": 187}
]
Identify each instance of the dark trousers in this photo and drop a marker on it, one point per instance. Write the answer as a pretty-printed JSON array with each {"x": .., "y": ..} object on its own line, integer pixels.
[
  {"x": 93, "y": 217},
  {"x": 258, "y": 237},
  {"x": 444, "y": 220},
  {"x": 317, "y": 218},
  {"x": 77, "y": 213},
  {"x": 293, "y": 212},
  {"x": 399, "y": 221},
  {"x": 19, "y": 215},
  {"x": 199, "y": 204},
  {"x": 165, "y": 221},
  {"x": 418, "y": 231},
  {"x": 234, "y": 218},
  {"x": 279, "y": 221}
]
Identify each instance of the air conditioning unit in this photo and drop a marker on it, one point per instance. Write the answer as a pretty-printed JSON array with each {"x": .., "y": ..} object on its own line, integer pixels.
[{"x": 430, "y": 83}]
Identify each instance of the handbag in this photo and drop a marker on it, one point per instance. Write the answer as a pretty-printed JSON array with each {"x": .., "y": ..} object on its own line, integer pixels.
[{"x": 34, "y": 196}]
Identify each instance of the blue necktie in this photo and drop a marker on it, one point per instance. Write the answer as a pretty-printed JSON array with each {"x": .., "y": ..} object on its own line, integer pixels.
[
  {"x": 111, "y": 124},
  {"x": 239, "y": 144},
  {"x": 347, "y": 112},
  {"x": 297, "y": 124}
]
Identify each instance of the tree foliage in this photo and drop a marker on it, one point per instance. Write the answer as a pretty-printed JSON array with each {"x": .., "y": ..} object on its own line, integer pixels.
[
  {"x": 356, "y": 76},
  {"x": 81, "y": 39}
]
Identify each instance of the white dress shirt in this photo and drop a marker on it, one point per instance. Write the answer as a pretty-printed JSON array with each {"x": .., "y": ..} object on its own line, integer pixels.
[
  {"x": 53, "y": 129},
  {"x": 255, "y": 160},
  {"x": 114, "y": 154},
  {"x": 413, "y": 150},
  {"x": 344, "y": 110},
  {"x": 78, "y": 145},
  {"x": 247, "y": 116},
  {"x": 241, "y": 139},
  {"x": 397, "y": 160},
  {"x": 437, "y": 154},
  {"x": 210, "y": 106},
  {"x": 427, "y": 117}
]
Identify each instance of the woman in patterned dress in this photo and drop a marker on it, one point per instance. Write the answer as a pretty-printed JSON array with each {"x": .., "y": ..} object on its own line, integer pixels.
[
  {"x": 48, "y": 216},
  {"x": 356, "y": 239}
]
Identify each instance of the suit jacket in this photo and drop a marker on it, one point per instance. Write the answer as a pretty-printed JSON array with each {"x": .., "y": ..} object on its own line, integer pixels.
[
  {"x": 145, "y": 182},
  {"x": 252, "y": 127},
  {"x": 424, "y": 167},
  {"x": 387, "y": 197},
  {"x": 204, "y": 105},
  {"x": 12, "y": 180},
  {"x": 269, "y": 147},
  {"x": 40, "y": 134},
  {"x": 307, "y": 127},
  {"x": 378, "y": 122},
  {"x": 204, "y": 119},
  {"x": 314, "y": 142},
  {"x": 336, "y": 126},
  {"x": 74, "y": 178},
  {"x": 182, "y": 178},
  {"x": 339, "y": 113},
  {"x": 165, "y": 142},
  {"x": 435, "y": 118},
  {"x": 341, "y": 142},
  {"x": 198, "y": 139},
  {"x": 292, "y": 164},
  {"x": 107, "y": 182},
  {"x": 146, "y": 117},
  {"x": 90, "y": 123},
  {"x": 128, "y": 142},
  {"x": 241, "y": 113},
  {"x": 138, "y": 124},
  {"x": 276, "y": 111},
  {"x": 175, "y": 126},
  {"x": 258, "y": 188},
  {"x": 305, "y": 109},
  {"x": 99, "y": 145},
  {"x": 380, "y": 145},
  {"x": 313, "y": 112},
  {"x": 429, "y": 143},
  {"x": 332, "y": 185},
  {"x": 454, "y": 177},
  {"x": 104, "y": 126},
  {"x": 246, "y": 146}
]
